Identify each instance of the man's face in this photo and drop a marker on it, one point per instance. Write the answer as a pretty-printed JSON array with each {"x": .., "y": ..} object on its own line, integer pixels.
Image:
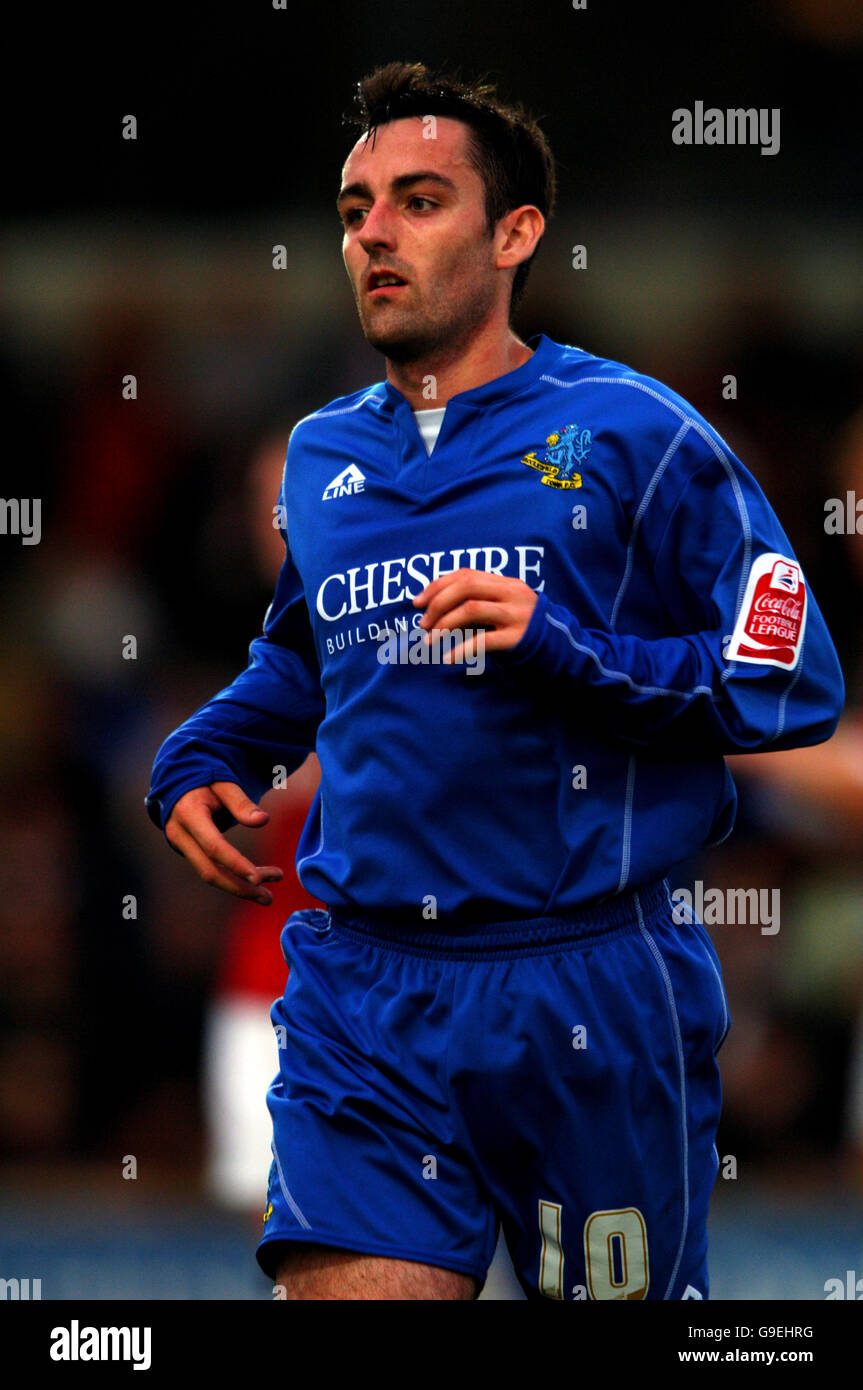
[{"x": 415, "y": 207}]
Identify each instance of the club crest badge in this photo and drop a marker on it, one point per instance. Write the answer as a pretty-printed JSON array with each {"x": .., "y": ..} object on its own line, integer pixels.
[
  {"x": 769, "y": 630},
  {"x": 565, "y": 450}
]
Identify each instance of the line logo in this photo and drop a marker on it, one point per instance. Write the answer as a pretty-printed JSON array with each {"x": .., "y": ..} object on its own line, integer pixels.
[{"x": 345, "y": 484}]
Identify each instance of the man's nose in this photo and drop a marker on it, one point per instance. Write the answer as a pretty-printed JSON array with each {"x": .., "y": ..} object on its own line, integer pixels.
[{"x": 378, "y": 229}]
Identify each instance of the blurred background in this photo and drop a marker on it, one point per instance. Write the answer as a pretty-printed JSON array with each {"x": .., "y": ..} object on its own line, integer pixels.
[{"x": 132, "y": 1072}]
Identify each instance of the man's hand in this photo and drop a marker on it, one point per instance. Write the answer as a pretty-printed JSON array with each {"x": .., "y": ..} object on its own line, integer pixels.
[
  {"x": 192, "y": 830},
  {"x": 474, "y": 600}
]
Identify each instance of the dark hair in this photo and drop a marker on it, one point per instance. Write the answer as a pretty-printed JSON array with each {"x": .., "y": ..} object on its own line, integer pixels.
[{"x": 506, "y": 146}]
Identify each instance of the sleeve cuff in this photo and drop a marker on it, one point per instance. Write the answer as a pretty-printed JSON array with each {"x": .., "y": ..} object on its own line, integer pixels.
[
  {"x": 159, "y": 808},
  {"x": 549, "y": 644},
  {"x": 531, "y": 639}
]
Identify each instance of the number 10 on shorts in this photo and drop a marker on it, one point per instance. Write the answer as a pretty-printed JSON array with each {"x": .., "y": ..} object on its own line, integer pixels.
[{"x": 615, "y": 1253}]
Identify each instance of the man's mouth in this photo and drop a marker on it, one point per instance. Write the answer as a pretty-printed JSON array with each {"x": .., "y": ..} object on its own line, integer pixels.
[{"x": 382, "y": 282}]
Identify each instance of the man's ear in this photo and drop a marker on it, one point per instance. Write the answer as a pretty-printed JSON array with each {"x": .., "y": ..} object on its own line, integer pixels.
[{"x": 517, "y": 235}]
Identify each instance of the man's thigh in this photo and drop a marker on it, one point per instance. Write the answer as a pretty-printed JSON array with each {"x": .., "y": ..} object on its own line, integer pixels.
[
  {"x": 590, "y": 1078},
  {"x": 320, "y": 1272},
  {"x": 368, "y": 1155}
]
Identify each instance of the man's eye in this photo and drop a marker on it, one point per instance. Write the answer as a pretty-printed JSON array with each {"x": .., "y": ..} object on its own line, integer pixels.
[
  {"x": 418, "y": 198},
  {"x": 351, "y": 216}
]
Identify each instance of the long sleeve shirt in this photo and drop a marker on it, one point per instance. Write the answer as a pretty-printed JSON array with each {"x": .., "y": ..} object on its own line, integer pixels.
[{"x": 673, "y": 625}]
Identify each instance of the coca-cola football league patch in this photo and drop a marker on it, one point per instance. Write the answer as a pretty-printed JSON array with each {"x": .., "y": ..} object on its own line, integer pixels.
[{"x": 769, "y": 629}]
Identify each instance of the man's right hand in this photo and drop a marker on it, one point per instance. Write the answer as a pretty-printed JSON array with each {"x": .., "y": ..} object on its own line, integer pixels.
[{"x": 192, "y": 830}]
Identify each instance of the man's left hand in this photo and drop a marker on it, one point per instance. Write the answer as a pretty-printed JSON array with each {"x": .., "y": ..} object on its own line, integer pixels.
[{"x": 473, "y": 601}]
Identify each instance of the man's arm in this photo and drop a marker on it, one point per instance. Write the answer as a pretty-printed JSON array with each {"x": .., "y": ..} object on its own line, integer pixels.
[
  {"x": 682, "y": 693},
  {"x": 211, "y": 771}
]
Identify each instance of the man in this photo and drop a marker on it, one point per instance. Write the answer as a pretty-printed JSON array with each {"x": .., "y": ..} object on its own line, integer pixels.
[{"x": 500, "y": 1020}]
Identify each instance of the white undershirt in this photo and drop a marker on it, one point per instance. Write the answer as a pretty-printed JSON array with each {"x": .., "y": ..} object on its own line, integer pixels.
[{"x": 429, "y": 422}]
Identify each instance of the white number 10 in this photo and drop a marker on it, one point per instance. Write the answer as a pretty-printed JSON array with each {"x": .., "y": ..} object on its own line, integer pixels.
[{"x": 615, "y": 1253}]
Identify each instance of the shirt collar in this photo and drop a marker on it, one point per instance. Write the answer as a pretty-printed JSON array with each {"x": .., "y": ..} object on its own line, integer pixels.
[{"x": 500, "y": 387}]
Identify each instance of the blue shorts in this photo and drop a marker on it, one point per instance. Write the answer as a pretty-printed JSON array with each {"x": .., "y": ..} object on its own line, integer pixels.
[{"x": 555, "y": 1076}]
